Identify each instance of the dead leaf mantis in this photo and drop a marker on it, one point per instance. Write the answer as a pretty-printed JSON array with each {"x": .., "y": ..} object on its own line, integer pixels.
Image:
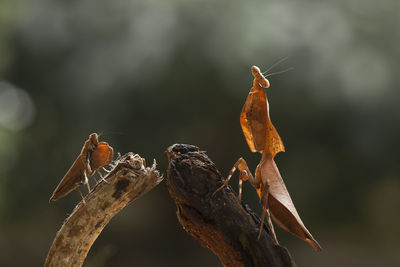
[
  {"x": 262, "y": 137},
  {"x": 94, "y": 155}
]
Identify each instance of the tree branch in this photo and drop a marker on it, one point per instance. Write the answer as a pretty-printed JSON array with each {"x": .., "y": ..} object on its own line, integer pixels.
[
  {"x": 128, "y": 180},
  {"x": 220, "y": 223}
]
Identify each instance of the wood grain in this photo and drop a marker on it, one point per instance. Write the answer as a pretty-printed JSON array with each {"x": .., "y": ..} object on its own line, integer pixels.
[
  {"x": 220, "y": 223},
  {"x": 127, "y": 181}
]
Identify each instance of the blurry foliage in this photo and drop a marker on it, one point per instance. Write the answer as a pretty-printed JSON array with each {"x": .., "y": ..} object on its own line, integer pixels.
[{"x": 147, "y": 74}]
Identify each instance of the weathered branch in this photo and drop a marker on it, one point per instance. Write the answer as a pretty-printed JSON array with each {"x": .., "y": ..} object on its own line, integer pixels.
[
  {"x": 220, "y": 223},
  {"x": 129, "y": 180}
]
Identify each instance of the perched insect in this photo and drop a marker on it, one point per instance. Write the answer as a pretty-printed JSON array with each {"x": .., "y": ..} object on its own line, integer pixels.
[
  {"x": 262, "y": 137},
  {"x": 94, "y": 155}
]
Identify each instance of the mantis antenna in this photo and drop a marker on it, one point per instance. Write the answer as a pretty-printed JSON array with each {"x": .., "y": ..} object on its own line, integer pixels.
[
  {"x": 274, "y": 65},
  {"x": 279, "y": 72}
]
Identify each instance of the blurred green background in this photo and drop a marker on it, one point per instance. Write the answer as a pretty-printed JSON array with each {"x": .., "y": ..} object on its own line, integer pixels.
[{"x": 148, "y": 74}]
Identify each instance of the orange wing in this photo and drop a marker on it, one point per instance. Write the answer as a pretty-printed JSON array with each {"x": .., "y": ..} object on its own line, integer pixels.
[
  {"x": 252, "y": 120},
  {"x": 101, "y": 156},
  {"x": 257, "y": 127},
  {"x": 274, "y": 141}
]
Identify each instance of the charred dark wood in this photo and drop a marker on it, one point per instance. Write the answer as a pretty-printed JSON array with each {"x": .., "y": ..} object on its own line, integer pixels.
[{"x": 218, "y": 222}]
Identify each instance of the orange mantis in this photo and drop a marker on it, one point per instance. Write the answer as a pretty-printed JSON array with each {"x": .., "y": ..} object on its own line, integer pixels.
[
  {"x": 94, "y": 155},
  {"x": 262, "y": 137}
]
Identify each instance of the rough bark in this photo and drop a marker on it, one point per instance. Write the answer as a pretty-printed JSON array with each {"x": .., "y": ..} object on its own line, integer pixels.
[
  {"x": 220, "y": 223},
  {"x": 127, "y": 181}
]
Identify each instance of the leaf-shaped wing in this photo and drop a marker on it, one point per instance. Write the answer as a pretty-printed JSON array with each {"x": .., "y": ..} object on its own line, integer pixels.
[
  {"x": 281, "y": 205},
  {"x": 253, "y": 118},
  {"x": 257, "y": 127},
  {"x": 71, "y": 180},
  {"x": 274, "y": 142}
]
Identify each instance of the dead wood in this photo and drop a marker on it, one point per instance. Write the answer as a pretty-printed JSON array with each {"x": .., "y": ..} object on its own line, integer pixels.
[
  {"x": 219, "y": 223},
  {"x": 127, "y": 181}
]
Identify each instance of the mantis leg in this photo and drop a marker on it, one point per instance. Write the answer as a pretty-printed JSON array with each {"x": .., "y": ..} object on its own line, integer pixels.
[
  {"x": 271, "y": 226},
  {"x": 245, "y": 174},
  {"x": 101, "y": 176},
  {"x": 86, "y": 163},
  {"x": 91, "y": 172},
  {"x": 265, "y": 212},
  {"x": 83, "y": 198},
  {"x": 86, "y": 181},
  {"x": 104, "y": 169}
]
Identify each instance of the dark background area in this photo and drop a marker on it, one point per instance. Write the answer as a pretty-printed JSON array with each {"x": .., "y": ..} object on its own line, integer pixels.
[{"x": 148, "y": 74}]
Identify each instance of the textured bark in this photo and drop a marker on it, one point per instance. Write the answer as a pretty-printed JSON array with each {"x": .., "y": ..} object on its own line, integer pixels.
[
  {"x": 128, "y": 180},
  {"x": 220, "y": 223}
]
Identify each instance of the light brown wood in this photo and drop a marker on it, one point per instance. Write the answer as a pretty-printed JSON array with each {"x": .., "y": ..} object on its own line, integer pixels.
[{"x": 127, "y": 181}]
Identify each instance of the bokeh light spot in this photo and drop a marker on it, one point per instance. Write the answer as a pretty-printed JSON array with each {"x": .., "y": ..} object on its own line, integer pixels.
[{"x": 17, "y": 110}]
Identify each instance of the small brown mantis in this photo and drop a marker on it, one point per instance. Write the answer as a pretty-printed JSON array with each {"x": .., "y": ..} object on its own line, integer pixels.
[
  {"x": 94, "y": 155},
  {"x": 262, "y": 137}
]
